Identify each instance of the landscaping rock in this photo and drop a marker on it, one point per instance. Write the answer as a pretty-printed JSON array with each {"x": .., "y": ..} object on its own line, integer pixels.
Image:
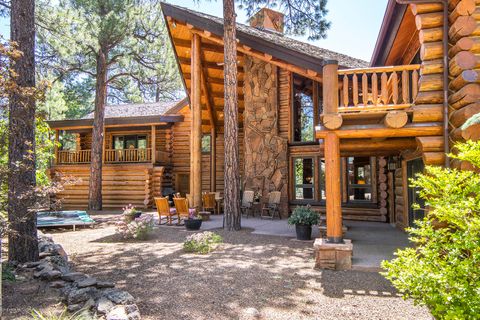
[
  {"x": 43, "y": 271},
  {"x": 32, "y": 264},
  {"x": 45, "y": 254},
  {"x": 104, "y": 305},
  {"x": 42, "y": 265},
  {"x": 251, "y": 313},
  {"x": 74, "y": 307},
  {"x": 118, "y": 296},
  {"x": 73, "y": 276},
  {"x": 105, "y": 284},
  {"x": 57, "y": 284},
  {"x": 129, "y": 312},
  {"x": 87, "y": 282},
  {"x": 51, "y": 275},
  {"x": 80, "y": 295},
  {"x": 89, "y": 304}
]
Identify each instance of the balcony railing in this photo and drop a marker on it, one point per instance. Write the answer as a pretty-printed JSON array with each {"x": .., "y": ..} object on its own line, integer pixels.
[
  {"x": 377, "y": 89},
  {"x": 128, "y": 155},
  {"x": 112, "y": 156},
  {"x": 73, "y": 156}
]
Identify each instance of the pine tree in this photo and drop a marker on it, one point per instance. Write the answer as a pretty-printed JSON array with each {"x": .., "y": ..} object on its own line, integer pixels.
[{"x": 122, "y": 44}]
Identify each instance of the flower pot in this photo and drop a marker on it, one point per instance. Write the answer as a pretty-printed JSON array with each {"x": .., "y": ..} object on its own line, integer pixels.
[
  {"x": 193, "y": 224},
  {"x": 304, "y": 232}
]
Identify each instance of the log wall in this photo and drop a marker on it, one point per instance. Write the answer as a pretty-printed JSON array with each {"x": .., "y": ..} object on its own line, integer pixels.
[
  {"x": 121, "y": 185},
  {"x": 429, "y": 102}
]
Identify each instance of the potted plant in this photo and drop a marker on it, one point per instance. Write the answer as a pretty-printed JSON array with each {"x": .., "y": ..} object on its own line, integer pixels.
[
  {"x": 304, "y": 217},
  {"x": 131, "y": 213},
  {"x": 194, "y": 221}
]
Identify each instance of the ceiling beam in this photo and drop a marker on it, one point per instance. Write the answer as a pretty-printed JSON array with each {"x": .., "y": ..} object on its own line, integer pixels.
[
  {"x": 185, "y": 43},
  {"x": 188, "y": 76},
  {"x": 208, "y": 64}
]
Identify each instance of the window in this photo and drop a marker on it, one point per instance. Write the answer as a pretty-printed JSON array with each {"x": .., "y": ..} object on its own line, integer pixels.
[
  {"x": 304, "y": 178},
  {"x": 321, "y": 179},
  {"x": 359, "y": 178},
  {"x": 130, "y": 142},
  {"x": 303, "y": 109},
  {"x": 206, "y": 143}
]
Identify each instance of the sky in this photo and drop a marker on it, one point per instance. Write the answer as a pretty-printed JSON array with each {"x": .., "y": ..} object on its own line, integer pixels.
[{"x": 354, "y": 29}]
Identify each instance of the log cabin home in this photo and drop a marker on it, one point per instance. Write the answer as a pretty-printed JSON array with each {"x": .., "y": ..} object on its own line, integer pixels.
[{"x": 325, "y": 129}]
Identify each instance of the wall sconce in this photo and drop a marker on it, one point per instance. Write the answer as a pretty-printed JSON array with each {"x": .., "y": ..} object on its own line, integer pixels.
[{"x": 393, "y": 163}]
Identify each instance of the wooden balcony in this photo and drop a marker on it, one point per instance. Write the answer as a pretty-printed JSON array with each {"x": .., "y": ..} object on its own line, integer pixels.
[
  {"x": 142, "y": 155},
  {"x": 377, "y": 89}
]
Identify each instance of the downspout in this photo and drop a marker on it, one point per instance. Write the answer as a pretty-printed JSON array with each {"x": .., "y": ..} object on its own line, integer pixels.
[{"x": 445, "y": 70}]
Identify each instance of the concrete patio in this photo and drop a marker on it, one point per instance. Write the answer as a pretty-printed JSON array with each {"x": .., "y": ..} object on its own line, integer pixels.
[{"x": 373, "y": 242}]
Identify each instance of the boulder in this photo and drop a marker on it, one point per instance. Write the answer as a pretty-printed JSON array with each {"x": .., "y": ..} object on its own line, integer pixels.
[
  {"x": 128, "y": 312},
  {"x": 31, "y": 264},
  {"x": 57, "y": 284},
  {"x": 105, "y": 284},
  {"x": 80, "y": 295}
]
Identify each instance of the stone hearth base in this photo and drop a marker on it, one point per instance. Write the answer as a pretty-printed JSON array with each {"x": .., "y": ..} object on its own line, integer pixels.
[{"x": 333, "y": 256}]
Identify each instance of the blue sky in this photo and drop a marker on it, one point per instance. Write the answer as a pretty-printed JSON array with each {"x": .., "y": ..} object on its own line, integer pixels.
[{"x": 354, "y": 30}]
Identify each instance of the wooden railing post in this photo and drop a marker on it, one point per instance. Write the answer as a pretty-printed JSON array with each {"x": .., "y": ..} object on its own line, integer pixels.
[
  {"x": 332, "y": 188},
  {"x": 331, "y": 118},
  {"x": 154, "y": 144},
  {"x": 57, "y": 136}
]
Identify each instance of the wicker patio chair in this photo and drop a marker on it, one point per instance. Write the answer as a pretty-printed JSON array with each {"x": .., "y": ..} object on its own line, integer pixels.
[
  {"x": 272, "y": 207},
  {"x": 209, "y": 203},
  {"x": 247, "y": 203},
  {"x": 164, "y": 210}
]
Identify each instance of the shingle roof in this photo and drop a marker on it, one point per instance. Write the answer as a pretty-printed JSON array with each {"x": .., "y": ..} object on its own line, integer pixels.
[
  {"x": 141, "y": 109},
  {"x": 279, "y": 39}
]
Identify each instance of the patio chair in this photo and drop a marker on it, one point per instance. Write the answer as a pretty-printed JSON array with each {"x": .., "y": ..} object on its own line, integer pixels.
[
  {"x": 164, "y": 210},
  {"x": 219, "y": 202},
  {"x": 208, "y": 200},
  {"x": 247, "y": 203},
  {"x": 272, "y": 207},
  {"x": 181, "y": 205}
]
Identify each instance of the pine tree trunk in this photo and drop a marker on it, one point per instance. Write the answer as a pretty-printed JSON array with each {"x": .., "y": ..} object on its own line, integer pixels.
[
  {"x": 232, "y": 178},
  {"x": 22, "y": 240},
  {"x": 95, "y": 187}
]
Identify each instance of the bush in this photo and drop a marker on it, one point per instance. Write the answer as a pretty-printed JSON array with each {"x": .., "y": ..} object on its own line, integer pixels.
[
  {"x": 203, "y": 243},
  {"x": 79, "y": 315},
  {"x": 138, "y": 228},
  {"x": 443, "y": 270},
  {"x": 304, "y": 215}
]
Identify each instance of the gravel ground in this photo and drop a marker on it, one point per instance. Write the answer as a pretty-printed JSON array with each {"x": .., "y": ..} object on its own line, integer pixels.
[{"x": 249, "y": 275}]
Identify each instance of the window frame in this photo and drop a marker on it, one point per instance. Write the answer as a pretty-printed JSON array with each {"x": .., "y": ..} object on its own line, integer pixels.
[
  {"x": 313, "y": 185},
  {"x": 124, "y": 137}
]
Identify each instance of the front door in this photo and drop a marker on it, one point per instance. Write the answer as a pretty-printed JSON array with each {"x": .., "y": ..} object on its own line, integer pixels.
[{"x": 414, "y": 167}]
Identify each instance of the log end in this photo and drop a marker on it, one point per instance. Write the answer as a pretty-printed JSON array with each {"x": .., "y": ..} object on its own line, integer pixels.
[
  {"x": 332, "y": 121},
  {"x": 396, "y": 119}
]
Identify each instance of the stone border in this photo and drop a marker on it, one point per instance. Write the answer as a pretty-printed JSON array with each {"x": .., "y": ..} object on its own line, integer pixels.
[{"x": 80, "y": 291}]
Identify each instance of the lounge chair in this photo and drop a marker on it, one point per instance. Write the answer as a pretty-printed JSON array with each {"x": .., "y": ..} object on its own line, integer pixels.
[
  {"x": 164, "y": 210},
  {"x": 272, "y": 207},
  {"x": 247, "y": 203},
  {"x": 208, "y": 200},
  {"x": 181, "y": 205}
]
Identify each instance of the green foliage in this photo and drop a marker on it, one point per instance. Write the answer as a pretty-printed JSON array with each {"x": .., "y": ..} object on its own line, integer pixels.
[
  {"x": 141, "y": 63},
  {"x": 79, "y": 315},
  {"x": 304, "y": 215},
  {"x": 202, "y": 243},
  {"x": 443, "y": 270},
  {"x": 7, "y": 272}
]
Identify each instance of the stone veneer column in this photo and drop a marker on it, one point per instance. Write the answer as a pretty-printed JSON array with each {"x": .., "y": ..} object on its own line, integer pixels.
[{"x": 266, "y": 165}]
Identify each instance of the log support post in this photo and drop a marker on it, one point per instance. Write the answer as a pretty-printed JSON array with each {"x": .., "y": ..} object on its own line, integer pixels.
[
  {"x": 213, "y": 159},
  {"x": 331, "y": 118},
  {"x": 153, "y": 140},
  {"x": 332, "y": 188},
  {"x": 196, "y": 137}
]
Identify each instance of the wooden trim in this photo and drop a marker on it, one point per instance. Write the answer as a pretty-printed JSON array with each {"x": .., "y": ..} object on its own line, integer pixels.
[{"x": 116, "y": 122}]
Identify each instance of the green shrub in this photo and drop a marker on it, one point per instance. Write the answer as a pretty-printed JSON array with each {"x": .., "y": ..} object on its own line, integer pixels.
[
  {"x": 79, "y": 315},
  {"x": 7, "y": 272},
  {"x": 443, "y": 270},
  {"x": 304, "y": 215},
  {"x": 203, "y": 243}
]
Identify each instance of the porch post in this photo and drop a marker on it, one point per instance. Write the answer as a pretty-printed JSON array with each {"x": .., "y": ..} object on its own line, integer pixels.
[
  {"x": 332, "y": 188},
  {"x": 196, "y": 138},
  {"x": 153, "y": 142},
  {"x": 55, "y": 146}
]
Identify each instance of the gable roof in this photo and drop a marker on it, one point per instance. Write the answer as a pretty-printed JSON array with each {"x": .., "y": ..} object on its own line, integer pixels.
[
  {"x": 141, "y": 109},
  {"x": 276, "y": 44},
  {"x": 129, "y": 114}
]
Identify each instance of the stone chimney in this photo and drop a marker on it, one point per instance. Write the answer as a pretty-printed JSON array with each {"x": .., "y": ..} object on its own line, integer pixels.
[{"x": 267, "y": 19}]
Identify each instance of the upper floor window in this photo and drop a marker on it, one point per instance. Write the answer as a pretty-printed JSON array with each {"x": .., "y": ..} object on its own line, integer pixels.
[
  {"x": 206, "y": 143},
  {"x": 130, "y": 142},
  {"x": 303, "y": 109}
]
